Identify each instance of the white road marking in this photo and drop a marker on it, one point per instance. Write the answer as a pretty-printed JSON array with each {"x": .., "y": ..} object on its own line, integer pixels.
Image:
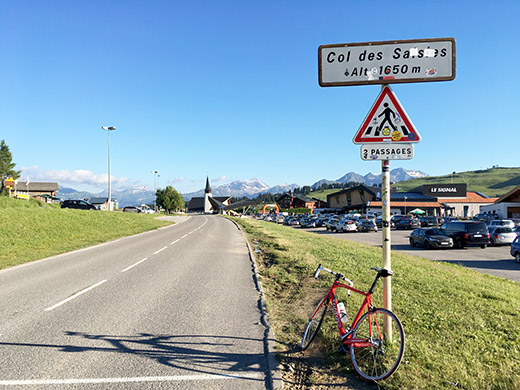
[
  {"x": 174, "y": 378},
  {"x": 132, "y": 266},
  {"x": 184, "y": 236},
  {"x": 160, "y": 250},
  {"x": 175, "y": 242},
  {"x": 75, "y": 295}
]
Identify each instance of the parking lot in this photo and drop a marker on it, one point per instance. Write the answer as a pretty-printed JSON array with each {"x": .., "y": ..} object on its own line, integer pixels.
[{"x": 495, "y": 261}]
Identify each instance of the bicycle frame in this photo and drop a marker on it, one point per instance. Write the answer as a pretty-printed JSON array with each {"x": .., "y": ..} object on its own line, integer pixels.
[{"x": 345, "y": 336}]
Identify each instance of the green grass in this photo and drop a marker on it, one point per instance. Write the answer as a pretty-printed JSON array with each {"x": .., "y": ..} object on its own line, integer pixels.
[
  {"x": 30, "y": 230},
  {"x": 491, "y": 182},
  {"x": 462, "y": 327}
]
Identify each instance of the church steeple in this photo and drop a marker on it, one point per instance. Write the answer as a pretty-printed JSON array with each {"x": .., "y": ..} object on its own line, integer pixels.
[{"x": 208, "y": 188}]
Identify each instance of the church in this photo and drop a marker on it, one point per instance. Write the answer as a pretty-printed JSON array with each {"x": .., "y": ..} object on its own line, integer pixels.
[{"x": 208, "y": 204}]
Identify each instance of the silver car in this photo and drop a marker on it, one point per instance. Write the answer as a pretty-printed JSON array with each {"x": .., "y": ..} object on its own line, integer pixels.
[{"x": 501, "y": 235}]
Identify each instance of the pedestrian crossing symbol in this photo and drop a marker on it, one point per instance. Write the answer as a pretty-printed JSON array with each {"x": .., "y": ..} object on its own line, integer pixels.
[{"x": 387, "y": 121}]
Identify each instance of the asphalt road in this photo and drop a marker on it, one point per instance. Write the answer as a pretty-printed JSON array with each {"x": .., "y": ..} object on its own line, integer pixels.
[
  {"x": 174, "y": 308},
  {"x": 495, "y": 261}
]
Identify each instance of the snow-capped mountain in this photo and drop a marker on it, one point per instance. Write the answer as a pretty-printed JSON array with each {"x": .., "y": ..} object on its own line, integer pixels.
[
  {"x": 280, "y": 189},
  {"x": 370, "y": 179},
  {"x": 238, "y": 188}
]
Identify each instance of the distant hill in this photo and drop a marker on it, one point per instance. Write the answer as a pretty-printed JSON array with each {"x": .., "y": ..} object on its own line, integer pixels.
[{"x": 492, "y": 182}]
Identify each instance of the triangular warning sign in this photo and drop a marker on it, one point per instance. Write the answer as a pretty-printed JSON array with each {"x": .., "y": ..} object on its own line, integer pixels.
[{"x": 387, "y": 121}]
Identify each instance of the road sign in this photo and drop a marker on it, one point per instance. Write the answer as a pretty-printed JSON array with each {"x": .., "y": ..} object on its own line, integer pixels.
[
  {"x": 386, "y": 151},
  {"x": 387, "y": 121},
  {"x": 387, "y": 62}
]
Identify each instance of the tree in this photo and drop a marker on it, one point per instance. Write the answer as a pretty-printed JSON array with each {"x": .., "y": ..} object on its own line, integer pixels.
[
  {"x": 169, "y": 199},
  {"x": 6, "y": 165}
]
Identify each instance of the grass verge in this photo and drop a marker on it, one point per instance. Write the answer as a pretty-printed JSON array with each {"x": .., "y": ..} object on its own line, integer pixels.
[
  {"x": 462, "y": 327},
  {"x": 30, "y": 231}
]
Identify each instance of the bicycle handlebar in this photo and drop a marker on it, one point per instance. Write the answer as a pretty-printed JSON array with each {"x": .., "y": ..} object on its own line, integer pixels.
[{"x": 336, "y": 274}]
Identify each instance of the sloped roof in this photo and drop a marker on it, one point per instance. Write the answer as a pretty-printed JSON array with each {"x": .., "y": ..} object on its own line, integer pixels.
[
  {"x": 197, "y": 203},
  {"x": 372, "y": 190},
  {"x": 36, "y": 186},
  {"x": 410, "y": 205},
  {"x": 471, "y": 197},
  {"x": 511, "y": 196}
]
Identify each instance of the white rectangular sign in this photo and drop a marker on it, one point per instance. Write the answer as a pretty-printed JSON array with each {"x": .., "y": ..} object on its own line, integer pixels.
[
  {"x": 387, "y": 62},
  {"x": 387, "y": 151}
]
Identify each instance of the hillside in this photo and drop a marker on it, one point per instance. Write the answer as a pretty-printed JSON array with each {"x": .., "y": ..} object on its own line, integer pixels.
[{"x": 491, "y": 182}]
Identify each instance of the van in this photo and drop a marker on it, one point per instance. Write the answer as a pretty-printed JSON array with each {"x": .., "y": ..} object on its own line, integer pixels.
[{"x": 467, "y": 233}]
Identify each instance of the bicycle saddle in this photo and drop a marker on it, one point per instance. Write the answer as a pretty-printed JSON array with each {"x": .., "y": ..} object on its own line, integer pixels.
[{"x": 383, "y": 272}]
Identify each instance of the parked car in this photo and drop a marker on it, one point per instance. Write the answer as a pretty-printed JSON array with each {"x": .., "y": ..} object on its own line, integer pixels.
[
  {"x": 501, "y": 222},
  {"x": 379, "y": 221},
  {"x": 131, "y": 209},
  {"x": 430, "y": 238},
  {"x": 487, "y": 218},
  {"x": 501, "y": 235},
  {"x": 394, "y": 219},
  {"x": 431, "y": 221},
  {"x": 77, "y": 204},
  {"x": 146, "y": 209},
  {"x": 515, "y": 249},
  {"x": 408, "y": 223},
  {"x": 279, "y": 218},
  {"x": 308, "y": 222},
  {"x": 346, "y": 225},
  {"x": 330, "y": 223},
  {"x": 467, "y": 233},
  {"x": 367, "y": 225}
]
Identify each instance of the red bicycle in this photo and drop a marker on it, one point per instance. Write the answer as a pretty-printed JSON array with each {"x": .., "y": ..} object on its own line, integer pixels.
[{"x": 375, "y": 336}]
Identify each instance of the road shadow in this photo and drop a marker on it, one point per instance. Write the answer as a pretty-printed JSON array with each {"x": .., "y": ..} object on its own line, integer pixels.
[{"x": 205, "y": 354}]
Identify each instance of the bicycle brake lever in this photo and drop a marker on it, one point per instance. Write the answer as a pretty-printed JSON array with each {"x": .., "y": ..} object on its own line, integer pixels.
[{"x": 317, "y": 272}]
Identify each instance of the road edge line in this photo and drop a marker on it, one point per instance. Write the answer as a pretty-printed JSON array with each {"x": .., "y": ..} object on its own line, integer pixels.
[{"x": 273, "y": 363}]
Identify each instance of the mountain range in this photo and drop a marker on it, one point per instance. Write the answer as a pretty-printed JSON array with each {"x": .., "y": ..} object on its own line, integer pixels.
[{"x": 240, "y": 188}]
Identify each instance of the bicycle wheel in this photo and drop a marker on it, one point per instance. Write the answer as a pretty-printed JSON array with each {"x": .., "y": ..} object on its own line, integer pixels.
[
  {"x": 314, "y": 323},
  {"x": 379, "y": 360}
]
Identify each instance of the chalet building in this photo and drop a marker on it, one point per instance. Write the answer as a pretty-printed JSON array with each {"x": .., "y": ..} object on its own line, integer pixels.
[
  {"x": 507, "y": 206},
  {"x": 296, "y": 201},
  {"x": 37, "y": 190},
  {"x": 368, "y": 200},
  {"x": 354, "y": 198}
]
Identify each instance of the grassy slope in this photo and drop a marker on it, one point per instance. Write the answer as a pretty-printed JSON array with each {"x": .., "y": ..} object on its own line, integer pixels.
[
  {"x": 322, "y": 194},
  {"x": 462, "y": 327},
  {"x": 29, "y": 232}
]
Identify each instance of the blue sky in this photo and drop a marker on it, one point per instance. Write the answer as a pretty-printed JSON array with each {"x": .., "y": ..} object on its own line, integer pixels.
[{"x": 229, "y": 89}]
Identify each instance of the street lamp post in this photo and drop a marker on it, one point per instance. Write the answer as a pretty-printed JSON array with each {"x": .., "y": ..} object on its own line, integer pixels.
[
  {"x": 405, "y": 204},
  {"x": 108, "y": 130},
  {"x": 154, "y": 190}
]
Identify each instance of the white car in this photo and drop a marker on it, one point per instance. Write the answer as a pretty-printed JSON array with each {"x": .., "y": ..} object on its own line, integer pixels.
[
  {"x": 346, "y": 225},
  {"x": 146, "y": 210},
  {"x": 501, "y": 222},
  {"x": 501, "y": 235}
]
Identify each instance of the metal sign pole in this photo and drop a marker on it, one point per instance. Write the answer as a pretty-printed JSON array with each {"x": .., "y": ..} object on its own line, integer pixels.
[{"x": 387, "y": 282}]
